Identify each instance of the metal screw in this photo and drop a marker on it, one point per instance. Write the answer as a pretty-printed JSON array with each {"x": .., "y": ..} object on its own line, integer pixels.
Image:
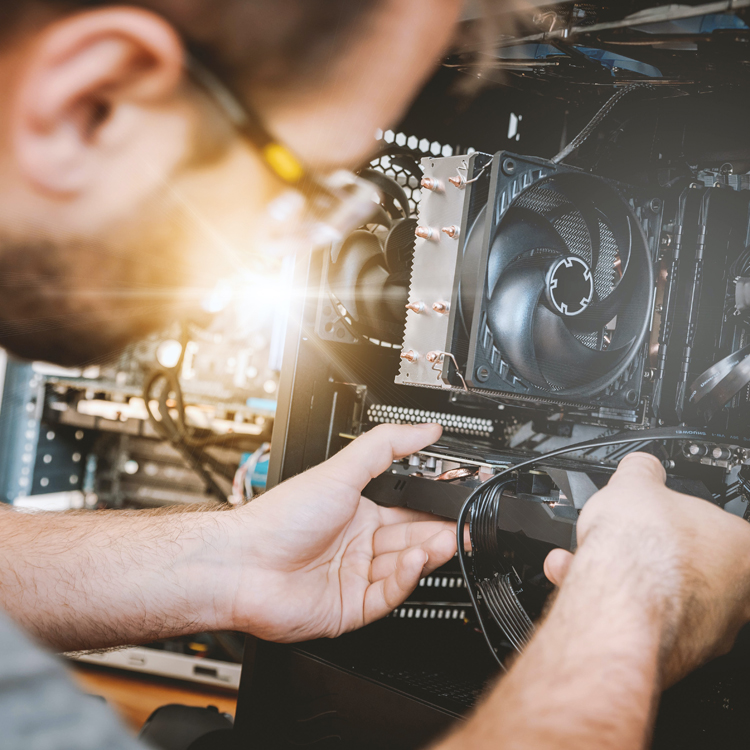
[
  {"x": 416, "y": 307},
  {"x": 441, "y": 308},
  {"x": 410, "y": 356},
  {"x": 659, "y": 309},
  {"x": 483, "y": 374},
  {"x": 424, "y": 232}
]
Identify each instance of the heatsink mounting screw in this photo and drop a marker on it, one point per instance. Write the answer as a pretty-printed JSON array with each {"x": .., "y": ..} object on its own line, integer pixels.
[
  {"x": 410, "y": 355},
  {"x": 452, "y": 231}
]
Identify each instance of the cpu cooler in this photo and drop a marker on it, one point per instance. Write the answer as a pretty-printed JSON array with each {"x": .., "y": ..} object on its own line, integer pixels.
[
  {"x": 551, "y": 288},
  {"x": 367, "y": 274}
]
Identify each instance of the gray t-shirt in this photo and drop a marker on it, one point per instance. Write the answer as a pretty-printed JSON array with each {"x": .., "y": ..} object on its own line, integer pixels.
[{"x": 41, "y": 708}]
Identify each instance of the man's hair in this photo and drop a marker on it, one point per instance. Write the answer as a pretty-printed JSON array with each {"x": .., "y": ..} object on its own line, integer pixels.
[{"x": 256, "y": 43}]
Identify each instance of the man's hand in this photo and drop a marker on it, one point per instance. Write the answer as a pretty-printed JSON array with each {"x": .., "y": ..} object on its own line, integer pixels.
[
  {"x": 660, "y": 583},
  {"x": 310, "y": 558},
  {"x": 682, "y": 556},
  {"x": 313, "y": 558}
]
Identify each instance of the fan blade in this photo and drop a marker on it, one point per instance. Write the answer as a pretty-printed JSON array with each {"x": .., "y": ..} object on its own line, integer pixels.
[
  {"x": 396, "y": 295},
  {"x": 599, "y": 313},
  {"x": 389, "y": 188},
  {"x": 381, "y": 300},
  {"x": 399, "y": 245},
  {"x": 408, "y": 164},
  {"x": 563, "y": 360},
  {"x": 510, "y": 317},
  {"x": 520, "y": 231},
  {"x": 380, "y": 216},
  {"x": 581, "y": 203},
  {"x": 358, "y": 250}
]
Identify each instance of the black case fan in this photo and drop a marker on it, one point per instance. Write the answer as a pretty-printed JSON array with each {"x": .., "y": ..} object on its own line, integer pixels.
[
  {"x": 565, "y": 298},
  {"x": 368, "y": 273}
]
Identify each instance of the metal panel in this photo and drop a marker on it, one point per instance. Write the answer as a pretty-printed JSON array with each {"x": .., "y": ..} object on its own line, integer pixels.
[{"x": 433, "y": 272}]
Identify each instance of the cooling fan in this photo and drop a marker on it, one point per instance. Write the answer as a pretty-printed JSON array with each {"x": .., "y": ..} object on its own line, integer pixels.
[
  {"x": 368, "y": 273},
  {"x": 556, "y": 297}
]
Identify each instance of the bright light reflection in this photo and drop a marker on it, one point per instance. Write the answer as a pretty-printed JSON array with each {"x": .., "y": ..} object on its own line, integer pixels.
[{"x": 252, "y": 297}]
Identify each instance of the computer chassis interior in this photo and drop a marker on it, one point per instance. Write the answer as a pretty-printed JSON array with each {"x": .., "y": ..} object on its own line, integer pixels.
[{"x": 564, "y": 259}]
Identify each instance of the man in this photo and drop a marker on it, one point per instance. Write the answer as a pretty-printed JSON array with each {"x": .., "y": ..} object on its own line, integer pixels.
[
  {"x": 100, "y": 125},
  {"x": 122, "y": 183}
]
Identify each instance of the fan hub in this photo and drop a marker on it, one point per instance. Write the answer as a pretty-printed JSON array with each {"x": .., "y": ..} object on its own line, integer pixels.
[{"x": 570, "y": 286}]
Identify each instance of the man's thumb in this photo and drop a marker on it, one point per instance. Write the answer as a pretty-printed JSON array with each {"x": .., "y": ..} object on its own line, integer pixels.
[
  {"x": 556, "y": 565},
  {"x": 637, "y": 467}
]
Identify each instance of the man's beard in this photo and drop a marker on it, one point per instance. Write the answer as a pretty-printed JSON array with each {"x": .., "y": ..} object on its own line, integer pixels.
[{"x": 79, "y": 303}]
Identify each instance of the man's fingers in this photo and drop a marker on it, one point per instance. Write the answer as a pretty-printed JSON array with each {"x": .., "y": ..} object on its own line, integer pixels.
[
  {"x": 557, "y": 564},
  {"x": 439, "y": 548},
  {"x": 403, "y": 535},
  {"x": 390, "y": 516},
  {"x": 372, "y": 453},
  {"x": 385, "y": 595},
  {"x": 637, "y": 467}
]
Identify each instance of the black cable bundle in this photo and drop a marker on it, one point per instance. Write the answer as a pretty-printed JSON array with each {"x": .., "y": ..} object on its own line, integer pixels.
[
  {"x": 497, "y": 583},
  {"x": 486, "y": 499},
  {"x": 182, "y": 438}
]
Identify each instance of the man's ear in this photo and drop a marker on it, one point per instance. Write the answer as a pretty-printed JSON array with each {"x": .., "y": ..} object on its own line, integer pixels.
[{"x": 72, "y": 102}]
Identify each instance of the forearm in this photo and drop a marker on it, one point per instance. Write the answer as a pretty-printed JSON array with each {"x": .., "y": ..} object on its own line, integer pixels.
[
  {"x": 99, "y": 579},
  {"x": 589, "y": 679}
]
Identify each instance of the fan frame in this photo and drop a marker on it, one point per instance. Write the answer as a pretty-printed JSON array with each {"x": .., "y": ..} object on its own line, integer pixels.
[{"x": 485, "y": 369}]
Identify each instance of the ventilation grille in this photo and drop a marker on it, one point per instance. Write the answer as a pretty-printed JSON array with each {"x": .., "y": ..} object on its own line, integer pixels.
[
  {"x": 419, "y": 148},
  {"x": 442, "y": 582},
  {"x": 430, "y": 612},
  {"x": 456, "y": 423}
]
